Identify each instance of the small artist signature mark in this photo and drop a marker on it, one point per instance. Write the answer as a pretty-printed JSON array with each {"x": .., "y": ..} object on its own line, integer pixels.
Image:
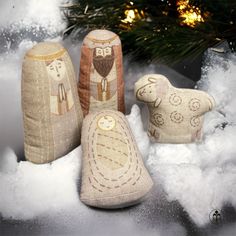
[{"x": 215, "y": 216}]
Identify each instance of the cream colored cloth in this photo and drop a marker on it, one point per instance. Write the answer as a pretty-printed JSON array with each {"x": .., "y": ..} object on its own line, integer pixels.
[
  {"x": 113, "y": 173},
  {"x": 175, "y": 115},
  {"x": 51, "y": 109}
]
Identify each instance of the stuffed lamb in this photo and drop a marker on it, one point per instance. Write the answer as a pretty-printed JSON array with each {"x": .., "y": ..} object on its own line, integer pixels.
[{"x": 175, "y": 115}]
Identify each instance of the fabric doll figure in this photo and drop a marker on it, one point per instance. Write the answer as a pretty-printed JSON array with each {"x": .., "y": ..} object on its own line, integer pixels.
[
  {"x": 101, "y": 83},
  {"x": 113, "y": 173},
  {"x": 51, "y": 109},
  {"x": 175, "y": 115}
]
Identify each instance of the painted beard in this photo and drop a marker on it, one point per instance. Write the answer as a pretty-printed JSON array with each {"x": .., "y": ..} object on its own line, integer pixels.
[{"x": 103, "y": 64}]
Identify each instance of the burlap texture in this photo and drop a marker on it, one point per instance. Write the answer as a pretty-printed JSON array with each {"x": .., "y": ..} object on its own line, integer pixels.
[
  {"x": 52, "y": 113},
  {"x": 101, "y": 84},
  {"x": 113, "y": 173},
  {"x": 175, "y": 115}
]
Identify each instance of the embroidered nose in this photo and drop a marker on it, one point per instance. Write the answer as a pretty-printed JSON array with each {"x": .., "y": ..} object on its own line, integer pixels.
[
  {"x": 58, "y": 74},
  {"x": 142, "y": 92}
]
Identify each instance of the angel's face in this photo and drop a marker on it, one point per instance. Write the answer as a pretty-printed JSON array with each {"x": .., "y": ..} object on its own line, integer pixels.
[{"x": 56, "y": 69}]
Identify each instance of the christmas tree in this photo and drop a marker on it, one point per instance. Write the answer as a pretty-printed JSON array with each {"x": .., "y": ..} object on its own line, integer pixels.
[{"x": 158, "y": 30}]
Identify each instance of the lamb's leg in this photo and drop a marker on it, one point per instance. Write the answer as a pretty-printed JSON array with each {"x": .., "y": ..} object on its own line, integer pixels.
[
  {"x": 197, "y": 135},
  {"x": 153, "y": 134}
]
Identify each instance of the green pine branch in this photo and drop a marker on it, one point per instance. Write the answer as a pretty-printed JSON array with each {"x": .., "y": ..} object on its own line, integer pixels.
[{"x": 157, "y": 33}]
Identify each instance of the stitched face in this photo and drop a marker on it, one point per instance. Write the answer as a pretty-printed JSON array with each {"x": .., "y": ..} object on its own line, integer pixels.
[
  {"x": 56, "y": 69},
  {"x": 153, "y": 90},
  {"x": 147, "y": 92},
  {"x": 106, "y": 123},
  {"x": 103, "y": 60},
  {"x": 103, "y": 52}
]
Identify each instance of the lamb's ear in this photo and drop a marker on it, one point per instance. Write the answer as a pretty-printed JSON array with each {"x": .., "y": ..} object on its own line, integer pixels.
[
  {"x": 162, "y": 89},
  {"x": 152, "y": 80},
  {"x": 157, "y": 102}
]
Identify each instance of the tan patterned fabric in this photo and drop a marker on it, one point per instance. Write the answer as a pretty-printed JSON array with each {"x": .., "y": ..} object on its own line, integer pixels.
[
  {"x": 113, "y": 173},
  {"x": 175, "y": 115},
  {"x": 52, "y": 113},
  {"x": 101, "y": 84}
]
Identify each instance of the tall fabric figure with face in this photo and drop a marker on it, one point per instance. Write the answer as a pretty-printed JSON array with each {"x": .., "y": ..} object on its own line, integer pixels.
[
  {"x": 101, "y": 83},
  {"x": 51, "y": 109},
  {"x": 61, "y": 98}
]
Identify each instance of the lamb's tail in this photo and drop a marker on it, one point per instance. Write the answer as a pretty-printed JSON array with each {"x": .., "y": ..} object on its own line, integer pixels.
[{"x": 212, "y": 102}]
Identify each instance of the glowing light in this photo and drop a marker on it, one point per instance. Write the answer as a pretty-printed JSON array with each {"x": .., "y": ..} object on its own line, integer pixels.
[
  {"x": 132, "y": 14},
  {"x": 191, "y": 15}
]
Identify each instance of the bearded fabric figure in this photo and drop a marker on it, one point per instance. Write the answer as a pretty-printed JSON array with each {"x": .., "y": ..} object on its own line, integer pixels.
[
  {"x": 101, "y": 84},
  {"x": 103, "y": 60},
  {"x": 51, "y": 109}
]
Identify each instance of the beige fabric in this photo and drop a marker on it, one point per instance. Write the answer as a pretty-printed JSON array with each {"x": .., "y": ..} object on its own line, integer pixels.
[
  {"x": 101, "y": 84},
  {"x": 52, "y": 113},
  {"x": 113, "y": 173},
  {"x": 175, "y": 115}
]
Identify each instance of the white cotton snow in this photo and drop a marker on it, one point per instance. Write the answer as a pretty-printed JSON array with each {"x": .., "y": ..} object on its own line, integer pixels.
[
  {"x": 8, "y": 162},
  {"x": 27, "y": 14},
  {"x": 137, "y": 127},
  {"x": 28, "y": 190},
  {"x": 202, "y": 176}
]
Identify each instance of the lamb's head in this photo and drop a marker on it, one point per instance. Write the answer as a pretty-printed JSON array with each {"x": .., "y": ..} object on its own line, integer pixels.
[{"x": 151, "y": 88}]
